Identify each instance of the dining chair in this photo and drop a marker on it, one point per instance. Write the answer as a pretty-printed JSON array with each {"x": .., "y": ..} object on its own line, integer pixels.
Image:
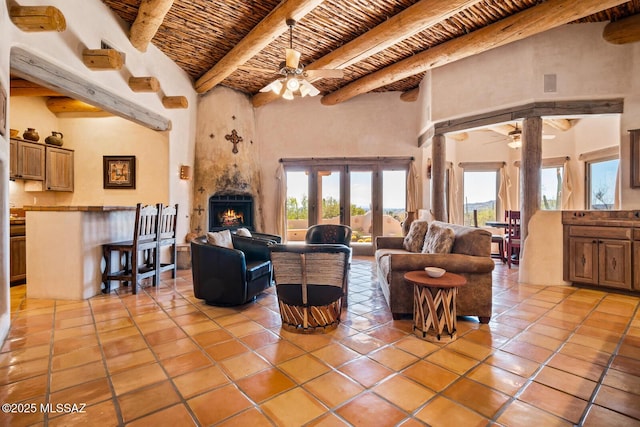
[
  {"x": 136, "y": 258},
  {"x": 167, "y": 219},
  {"x": 498, "y": 239},
  {"x": 512, "y": 237}
]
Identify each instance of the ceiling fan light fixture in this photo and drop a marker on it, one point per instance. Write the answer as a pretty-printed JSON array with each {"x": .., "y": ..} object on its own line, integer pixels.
[
  {"x": 292, "y": 58},
  {"x": 313, "y": 91},
  {"x": 275, "y": 86},
  {"x": 515, "y": 144},
  {"x": 288, "y": 95},
  {"x": 293, "y": 83}
]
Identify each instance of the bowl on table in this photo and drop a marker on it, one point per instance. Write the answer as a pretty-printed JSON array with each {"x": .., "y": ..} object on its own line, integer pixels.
[{"x": 435, "y": 271}]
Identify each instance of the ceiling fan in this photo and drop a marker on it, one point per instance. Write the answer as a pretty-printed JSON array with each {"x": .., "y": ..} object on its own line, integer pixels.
[{"x": 293, "y": 80}]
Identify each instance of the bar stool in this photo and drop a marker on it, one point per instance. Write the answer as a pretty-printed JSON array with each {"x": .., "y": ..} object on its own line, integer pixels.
[
  {"x": 137, "y": 257},
  {"x": 167, "y": 219}
]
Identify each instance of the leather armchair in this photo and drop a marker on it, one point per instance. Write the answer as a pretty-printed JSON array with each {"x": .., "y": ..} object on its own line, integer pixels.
[{"x": 223, "y": 276}]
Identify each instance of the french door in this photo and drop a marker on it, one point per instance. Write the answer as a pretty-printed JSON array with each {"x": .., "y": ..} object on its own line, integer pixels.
[{"x": 369, "y": 197}]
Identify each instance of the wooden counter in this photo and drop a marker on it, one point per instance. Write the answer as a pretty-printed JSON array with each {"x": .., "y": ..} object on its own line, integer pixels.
[
  {"x": 64, "y": 247},
  {"x": 79, "y": 208}
]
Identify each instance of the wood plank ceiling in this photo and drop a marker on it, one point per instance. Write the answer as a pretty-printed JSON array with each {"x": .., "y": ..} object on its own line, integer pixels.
[{"x": 197, "y": 34}]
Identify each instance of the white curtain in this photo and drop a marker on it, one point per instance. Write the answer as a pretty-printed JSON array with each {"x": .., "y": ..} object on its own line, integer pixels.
[
  {"x": 454, "y": 213},
  {"x": 412, "y": 189},
  {"x": 616, "y": 196},
  {"x": 504, "y": 192},
  {"x": 281, "y": 202},
  {"x": 567, "y": 187}
]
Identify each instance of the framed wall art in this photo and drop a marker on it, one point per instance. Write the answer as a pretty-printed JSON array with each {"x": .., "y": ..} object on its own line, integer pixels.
[{"x": 119, "y": 172}]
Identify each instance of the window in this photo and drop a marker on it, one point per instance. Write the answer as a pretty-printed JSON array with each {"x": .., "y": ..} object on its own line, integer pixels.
[
  {"x": 480, "y": 194},
  {"x": 601, "y": 183},
  {"x": 367, "y": 193},
  {"x": 394, "y": 201},
  {"x": 551, "y": 188}
]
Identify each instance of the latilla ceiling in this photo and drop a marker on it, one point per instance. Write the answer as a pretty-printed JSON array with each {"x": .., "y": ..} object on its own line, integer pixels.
[{"x": 197, "y": 34}]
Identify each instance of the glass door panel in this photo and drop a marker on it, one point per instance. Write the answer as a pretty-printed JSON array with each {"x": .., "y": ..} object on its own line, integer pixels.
[
  {"x": 360, "y": 208},
  {"x": 297, "y": 205},
  {"x": 394, "y": 201},
  {"x": 329, "y": 197}
]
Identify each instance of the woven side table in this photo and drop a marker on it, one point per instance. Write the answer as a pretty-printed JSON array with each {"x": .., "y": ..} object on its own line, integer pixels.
[{"x": 434, "y": 305}]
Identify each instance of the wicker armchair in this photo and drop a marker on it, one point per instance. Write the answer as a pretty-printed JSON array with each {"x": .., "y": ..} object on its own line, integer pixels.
[{"x": 310, "y": 282}]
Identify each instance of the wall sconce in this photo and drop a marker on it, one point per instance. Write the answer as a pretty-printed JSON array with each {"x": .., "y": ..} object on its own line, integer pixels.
[{"x": 185, "y": 172}]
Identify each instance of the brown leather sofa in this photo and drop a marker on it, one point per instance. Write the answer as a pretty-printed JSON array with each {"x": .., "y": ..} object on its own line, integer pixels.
[
  {"x": 469, "y": 257},
  {"x": 223, "y": 276}
]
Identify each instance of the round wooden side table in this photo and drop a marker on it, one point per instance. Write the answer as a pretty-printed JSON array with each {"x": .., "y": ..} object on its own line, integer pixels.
[{"x": 434, "y": 304}]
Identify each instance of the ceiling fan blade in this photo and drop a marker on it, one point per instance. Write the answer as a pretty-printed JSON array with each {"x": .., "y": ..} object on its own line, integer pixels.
[
  {"x": 324, "y": 73},
  {"x": 292, "y": 58},
  {"x": 260, "y": 70}
]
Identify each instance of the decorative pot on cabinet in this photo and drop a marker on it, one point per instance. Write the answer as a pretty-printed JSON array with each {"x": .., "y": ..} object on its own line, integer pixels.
[
  {"x": 54, "y": 139},
  {"x": 31, "y": 135}
]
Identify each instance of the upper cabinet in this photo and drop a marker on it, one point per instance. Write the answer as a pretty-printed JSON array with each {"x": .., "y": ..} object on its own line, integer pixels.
[
  {"x": 59, "y": 169},
  {"x": 39, "y": 162},
  {"x": 29, "y": 160}
]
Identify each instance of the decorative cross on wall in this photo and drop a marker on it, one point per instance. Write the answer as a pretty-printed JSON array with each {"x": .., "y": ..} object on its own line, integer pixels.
[
  {"x": 198, "y": 230},
  {"x": 199, "y": 210},
  {"x": 235, "y": 139}
]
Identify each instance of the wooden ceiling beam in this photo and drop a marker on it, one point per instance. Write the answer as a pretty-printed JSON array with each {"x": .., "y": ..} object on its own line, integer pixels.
[
  {"x": 22, "y": 87},
  {"x": 560, "y": 124},
  {"x": 403, "y": 25},
  {"x": 410, "y": 95},
  {"x": 529, "y": 22},
  {"x": 624, "y": 31},
  {"x": 267, "y": 30},
  {"x": 151, "y": 13},
  {"x": 69, "y": 105}
]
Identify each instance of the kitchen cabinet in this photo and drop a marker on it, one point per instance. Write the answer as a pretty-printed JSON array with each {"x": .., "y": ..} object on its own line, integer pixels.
[
  {"x": 601, "y": 249},
  {"x": 17, "y": 253},
  {"x": 39, "y": 162},
  {"x": 59, "y": 169},
  {"x": 29, "y": 158},
  {"x": 13, "y": 158}
]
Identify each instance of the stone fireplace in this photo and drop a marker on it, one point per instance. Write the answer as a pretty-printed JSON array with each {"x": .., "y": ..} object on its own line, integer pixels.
[
  {"x": 231, "y": 212},
  {"x": 226, "y": 174}
]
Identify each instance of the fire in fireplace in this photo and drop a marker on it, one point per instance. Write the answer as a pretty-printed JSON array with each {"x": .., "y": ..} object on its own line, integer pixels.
[{"x": 230, "y": 212}]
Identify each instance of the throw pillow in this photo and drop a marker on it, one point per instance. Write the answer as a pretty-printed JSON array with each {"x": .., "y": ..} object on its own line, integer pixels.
[
  {"x": 414, "y": 239},
  {"x": 243, "y": 232},
  {"x": 221, "y": 238},
  {"x": 439, "y": 239}
]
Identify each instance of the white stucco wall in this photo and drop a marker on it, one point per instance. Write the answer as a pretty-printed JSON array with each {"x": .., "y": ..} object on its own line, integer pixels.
[
  {"x": 89, "y": 22},
  {"x": 586, "y": 67},
  {"x": 376, "y": 124},
  {"x": 91, "y": 138},
  {"x": 5, "y": 314}
]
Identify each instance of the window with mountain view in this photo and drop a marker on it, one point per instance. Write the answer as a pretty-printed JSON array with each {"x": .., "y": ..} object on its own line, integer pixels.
[{"x": 481, "y": 194}]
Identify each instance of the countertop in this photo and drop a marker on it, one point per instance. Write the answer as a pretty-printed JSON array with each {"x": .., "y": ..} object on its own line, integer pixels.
[
  {"x": 79, "y": 208},
  {"x": 16, "y": 221}
]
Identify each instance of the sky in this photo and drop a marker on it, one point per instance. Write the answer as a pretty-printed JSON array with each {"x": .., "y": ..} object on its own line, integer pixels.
[{"x": 394, "y": 187}]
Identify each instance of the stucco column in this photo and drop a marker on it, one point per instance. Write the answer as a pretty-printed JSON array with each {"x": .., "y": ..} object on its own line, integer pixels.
[
  {"x": 438, "y": 168},
  {"x": 531, "y": 162}
]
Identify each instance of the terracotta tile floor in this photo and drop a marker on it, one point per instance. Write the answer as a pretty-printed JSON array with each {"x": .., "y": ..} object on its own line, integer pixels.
[{"x": 550, "y": 356}]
